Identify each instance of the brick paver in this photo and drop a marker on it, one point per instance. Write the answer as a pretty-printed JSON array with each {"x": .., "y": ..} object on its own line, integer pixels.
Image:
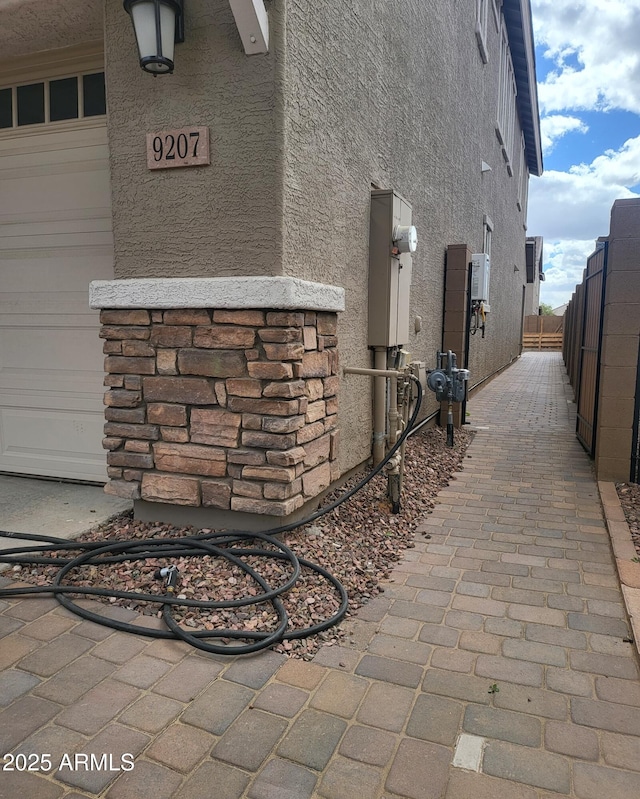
[
  {"x": 312, "y": 739},
  {"x": 218, "y": 706},
  {"x": 420, "y": 770},
  {"x": 279, "y": 778},
  {"x": 98, "y": 707},
  {"x": 181, "y": 747},
  {"x": 108, "y": 748},
  {"x": 345, "y": 779},
  {"x": 262, "y": 730},
  {"x": 368, "y": 745},
  {"x": 229, "y": 782},
  {"x": 69, "y": 684},
  {"x": 504, "y": 623}
]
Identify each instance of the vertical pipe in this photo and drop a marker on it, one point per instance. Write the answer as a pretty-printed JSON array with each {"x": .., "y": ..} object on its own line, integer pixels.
[
  {"x": 634, "y": 473},
  {"x": 467, "y": 344},
  {"x": 393, "y": 411},
  {"x": 379, "y": 405},
  {"x": 405, "y": 421},
  {"x": 393, "y": 477}
]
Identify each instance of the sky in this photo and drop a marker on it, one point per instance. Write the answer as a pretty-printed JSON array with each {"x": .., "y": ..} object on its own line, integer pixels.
[{"x": 588, "y": 67}]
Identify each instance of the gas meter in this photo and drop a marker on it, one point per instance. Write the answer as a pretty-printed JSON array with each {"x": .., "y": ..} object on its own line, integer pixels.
[{"x": 449, "y": 384}]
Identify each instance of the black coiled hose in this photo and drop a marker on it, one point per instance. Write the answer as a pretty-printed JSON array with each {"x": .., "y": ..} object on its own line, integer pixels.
[{"x": 230, "y": 545}]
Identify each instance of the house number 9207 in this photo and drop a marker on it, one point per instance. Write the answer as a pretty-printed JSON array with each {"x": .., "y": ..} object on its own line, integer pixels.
[{"x": 180, "y": 147}]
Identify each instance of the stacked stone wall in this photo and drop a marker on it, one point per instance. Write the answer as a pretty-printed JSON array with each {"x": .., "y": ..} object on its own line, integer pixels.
[{"x": 226, "y": 409}]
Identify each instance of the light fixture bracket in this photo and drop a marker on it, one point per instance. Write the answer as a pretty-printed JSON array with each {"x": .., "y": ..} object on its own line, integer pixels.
[{"x": 179, "y": 37}]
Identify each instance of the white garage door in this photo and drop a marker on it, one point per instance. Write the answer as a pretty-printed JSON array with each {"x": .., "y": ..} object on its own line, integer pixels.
[{"x": 55, "y": 237}]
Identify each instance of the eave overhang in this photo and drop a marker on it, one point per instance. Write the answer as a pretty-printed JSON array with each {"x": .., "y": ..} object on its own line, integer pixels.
[{"x": 517, "y": 15}]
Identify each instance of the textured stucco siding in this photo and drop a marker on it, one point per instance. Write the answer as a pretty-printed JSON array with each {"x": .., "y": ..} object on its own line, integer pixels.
[
  {"x": 370, "y": 93},
  {"x": 32, "y": 26},
  {"x": 210, "y": 221},
  {"x": 396, "y": 94}
]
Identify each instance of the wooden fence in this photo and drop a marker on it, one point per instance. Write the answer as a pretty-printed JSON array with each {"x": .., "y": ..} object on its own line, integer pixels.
[{"x": 543, "y": 332}]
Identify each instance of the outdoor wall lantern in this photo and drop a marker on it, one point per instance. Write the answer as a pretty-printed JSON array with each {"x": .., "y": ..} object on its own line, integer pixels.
[{"x": 158, "y": 25}]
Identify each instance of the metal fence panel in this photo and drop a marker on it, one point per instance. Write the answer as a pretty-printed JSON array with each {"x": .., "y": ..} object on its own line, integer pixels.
[{"x": 590, "y": 348}]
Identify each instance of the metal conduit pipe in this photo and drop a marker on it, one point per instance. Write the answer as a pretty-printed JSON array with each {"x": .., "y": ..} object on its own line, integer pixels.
[
  {"x": 380, "y": 376},
  {"x": 356, "y": 370},
  {"x": 393, "y": 411},
  {"x": 405, "y": 422},
  {"x": 396, "y": 423},
  {"x": 379, "y": 402}
]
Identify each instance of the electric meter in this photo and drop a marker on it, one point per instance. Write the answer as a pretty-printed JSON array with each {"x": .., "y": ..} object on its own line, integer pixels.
[
  {"x": 405, "y": 238},
  {"x": 392, "y": 240}
]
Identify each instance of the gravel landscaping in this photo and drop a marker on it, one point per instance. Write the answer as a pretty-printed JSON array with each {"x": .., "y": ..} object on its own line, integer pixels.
[
  {"x": 358, "y": 543},
  {"x": 629, "y": 494}
]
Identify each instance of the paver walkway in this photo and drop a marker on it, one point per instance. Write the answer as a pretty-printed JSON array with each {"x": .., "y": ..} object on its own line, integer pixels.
[{"x": 494, "y": 666}]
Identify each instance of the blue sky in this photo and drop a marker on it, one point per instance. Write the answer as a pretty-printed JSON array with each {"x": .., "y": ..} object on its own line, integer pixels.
[{"x": 588, "y": 65}]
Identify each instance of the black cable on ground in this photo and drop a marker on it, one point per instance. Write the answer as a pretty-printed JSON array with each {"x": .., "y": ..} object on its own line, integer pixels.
[{"x": 229, "y": 545}]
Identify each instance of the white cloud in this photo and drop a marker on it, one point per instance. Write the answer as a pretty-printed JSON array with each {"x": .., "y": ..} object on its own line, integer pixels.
[
  {"x": 594, "y": 44},
  {"x": 554, "y": 127},
  {"x": 565, "y": 261},
  {"x": 615, "y": 167},
  {"x": 571, "y": 209},
  {"x": 576, "y": 205}
]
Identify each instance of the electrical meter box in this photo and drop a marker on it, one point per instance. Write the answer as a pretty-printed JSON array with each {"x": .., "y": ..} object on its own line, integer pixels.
[
  {"x": 392, "y": 239},
  {"x": 480, "y": 277}
]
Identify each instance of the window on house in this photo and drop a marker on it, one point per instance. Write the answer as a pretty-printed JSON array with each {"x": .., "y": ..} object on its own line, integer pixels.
[
  {"x": 30, "y": 104},
  {"x": 531, "y": 261},
  {"x": 93, "y": 95},
  {"x": 497, "y": 8},
  {"x": 486, "y": 236},
  {"x": 522, "y": 177},
  {"x": 6, "y": 109},
  {"x": 63, "y": 99},
  {"x": 525, "y": 198},
  {"x": 482, "y": 20},
  {"x": 506, "y": 122},
  {"x": 76, "y": 97}
]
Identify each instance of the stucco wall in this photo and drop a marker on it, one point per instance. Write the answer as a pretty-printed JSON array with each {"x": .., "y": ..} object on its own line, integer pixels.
[
  {"x": 532, "y": 298},
  {"x": 396, "y": 94},
  {"x": 217, "y": 220},
  {"x": 31, "y": 26},
  {"x": 385, "y": 93}
]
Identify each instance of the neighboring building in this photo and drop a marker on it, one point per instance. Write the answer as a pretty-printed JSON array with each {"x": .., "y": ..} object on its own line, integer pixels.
[
  {"x": 560, "y": 310},
  {"x": 534, "y": 275},
  {"x": 234, "y": 290}
]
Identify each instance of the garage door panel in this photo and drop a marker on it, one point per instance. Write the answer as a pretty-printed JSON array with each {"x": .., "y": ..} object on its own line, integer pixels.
[
  {"x": 12, "y": 246},
  {"x": 39, "y": 190},
  {"x": 34, "y": 227},
  {"x": 55, "y": 237},
  {"x": 73, "y": 350},
  {"x": 27, "y": 159},
  {"x": 30, "y": 443},
  {"x": 76, "y": 321},
  {"x": 64, "y": 397},
  {"x": 50, "y": 284}
]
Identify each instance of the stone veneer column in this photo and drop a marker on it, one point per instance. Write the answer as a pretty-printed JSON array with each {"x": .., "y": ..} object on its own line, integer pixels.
[{"x": 221, "y": 408}]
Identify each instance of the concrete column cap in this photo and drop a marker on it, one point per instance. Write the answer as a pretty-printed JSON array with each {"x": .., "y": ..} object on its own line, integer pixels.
[{"x": 288, "y": 293}]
